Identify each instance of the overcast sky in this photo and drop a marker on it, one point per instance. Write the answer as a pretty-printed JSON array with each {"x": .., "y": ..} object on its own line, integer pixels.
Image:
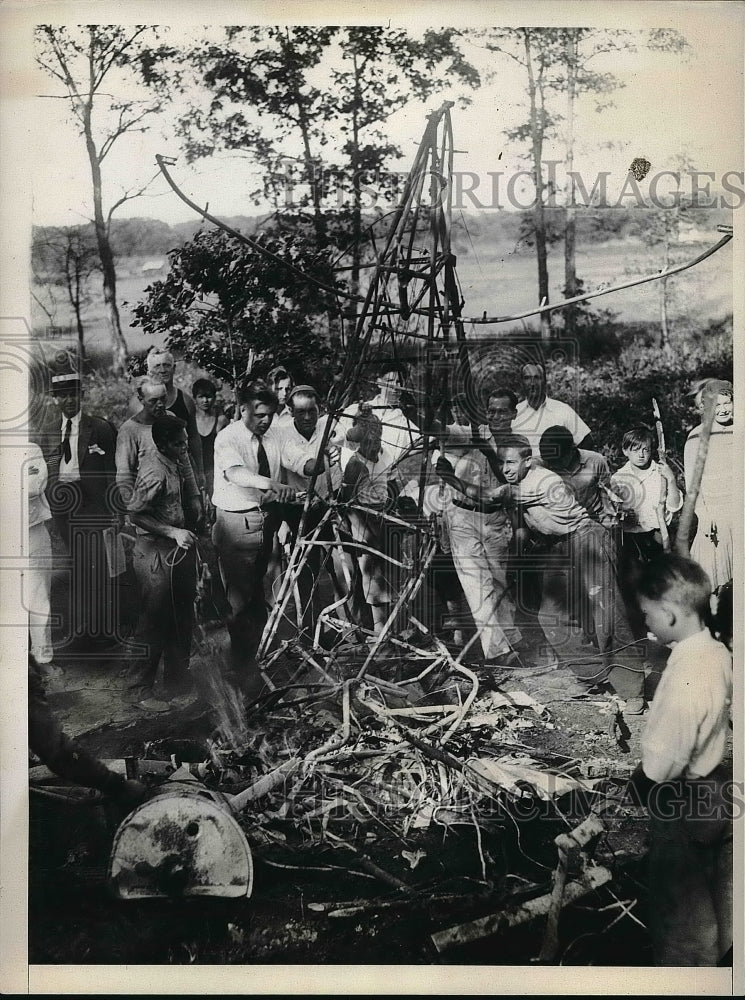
[{"x": 667, "y": 106}]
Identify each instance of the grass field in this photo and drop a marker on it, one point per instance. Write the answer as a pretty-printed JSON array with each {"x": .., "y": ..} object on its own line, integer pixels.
[
  {"x": 500, "y": 283},
  {"x": 495, "y": 280}
]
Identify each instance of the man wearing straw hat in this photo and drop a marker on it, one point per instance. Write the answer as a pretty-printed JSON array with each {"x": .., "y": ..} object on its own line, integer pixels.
[{"x": 81, "y": 496}]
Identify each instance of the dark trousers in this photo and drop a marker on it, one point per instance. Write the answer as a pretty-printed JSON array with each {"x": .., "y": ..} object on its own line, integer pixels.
[
  {"x": 581, "y": 579},
  {"x": 91, "y": 595},
  {"x": 636, "y": 549},
  {"x": 525, "y": 567},
  {"x": 690, "y": 871},
  {"x": 166, "y": 577},
  {"x": 318, "y": 556},
  {"x": 244, "y": 543}
]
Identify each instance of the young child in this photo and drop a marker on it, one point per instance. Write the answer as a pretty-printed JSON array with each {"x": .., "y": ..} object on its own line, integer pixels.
[
  {"x": 681, "y": 774},
  {"x": 643, "y": 484},
  {"x": 579, "y": 570},
  {"x": 649, "y": 491}
]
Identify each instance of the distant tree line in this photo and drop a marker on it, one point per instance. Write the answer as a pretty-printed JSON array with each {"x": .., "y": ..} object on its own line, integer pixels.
[
  {"x": 308, "y": 105},
  {"x": 141, "y": 237}
]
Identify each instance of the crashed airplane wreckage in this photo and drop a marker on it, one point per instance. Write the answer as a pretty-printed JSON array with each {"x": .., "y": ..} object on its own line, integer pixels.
[{"x": 374, "y": 753}]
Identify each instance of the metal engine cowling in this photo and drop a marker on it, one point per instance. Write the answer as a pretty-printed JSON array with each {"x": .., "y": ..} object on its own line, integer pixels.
[{"x": 184, "y": 841}]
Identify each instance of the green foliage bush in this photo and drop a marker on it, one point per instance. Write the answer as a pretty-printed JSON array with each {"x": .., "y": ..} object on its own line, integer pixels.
[
  {"x": 107, "y": 395},
  {"x": 226, "y": 307}
]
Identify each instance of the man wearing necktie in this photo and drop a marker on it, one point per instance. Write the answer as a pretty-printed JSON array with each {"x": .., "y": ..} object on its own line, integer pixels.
[
  {"x": 247, "y": 491},
  {"x": 80, "y": 452}
]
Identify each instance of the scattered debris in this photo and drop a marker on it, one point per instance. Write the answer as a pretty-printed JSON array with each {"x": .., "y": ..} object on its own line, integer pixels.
[{"x": 474, "y": 930}]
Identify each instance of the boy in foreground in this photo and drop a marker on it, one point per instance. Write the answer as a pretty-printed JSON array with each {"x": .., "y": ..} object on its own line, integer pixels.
[{"x": 681, "y": 776}]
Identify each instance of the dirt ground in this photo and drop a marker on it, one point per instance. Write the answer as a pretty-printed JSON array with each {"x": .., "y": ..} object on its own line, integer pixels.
[
  {"x": 315, "y": 902},
  {"x": 315, "y": 905},
  {"x": 334, "y": 880}
]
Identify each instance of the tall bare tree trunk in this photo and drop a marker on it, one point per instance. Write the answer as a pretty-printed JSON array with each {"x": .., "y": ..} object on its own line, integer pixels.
[
  {"x": 316, "y": 181},
  {"x": 570, "y": 261},
  {"x": 664, "y": 325},
  {"x": 118, "y": 343},
  {"x": 356, "y": 194},
  {"x": 73, "y": 280},
  {"x": 539, "y": 215}
]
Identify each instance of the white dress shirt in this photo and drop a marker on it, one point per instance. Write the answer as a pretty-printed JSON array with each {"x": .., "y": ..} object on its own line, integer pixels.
[
  {"x": 36, "y": 484},
  {"x": 532, "y": 423},
  {"x": 69, "y": 472},
  {"x": 297, "y": 450},
  {"x": 237, "y": 445},
  {"x": 283, "y": 419}
]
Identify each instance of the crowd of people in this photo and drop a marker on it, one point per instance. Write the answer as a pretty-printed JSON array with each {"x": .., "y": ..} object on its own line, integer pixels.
[{"x": 542, "y": 549}]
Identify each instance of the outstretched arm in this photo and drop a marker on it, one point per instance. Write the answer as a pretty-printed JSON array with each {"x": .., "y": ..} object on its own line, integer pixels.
[
  {"x": 487, "y": 500},
  {"x": 64, "y": 757}
]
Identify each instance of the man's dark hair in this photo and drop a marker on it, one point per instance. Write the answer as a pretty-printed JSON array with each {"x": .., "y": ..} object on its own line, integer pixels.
[
  {"x": 556, "y": 445},
  {"x": 167, "y": 428},
  {"x": 678, "y": 579},
  {"x": 277, "y": 374},
  {"x": 203, "y": 387},
  {"x": 501, "y": 393},
  {"x": 391, "y": 365},
  {"x": 519, "y": 443},
  {"x": 301, "y": 390},
  {"x": 256, "y": 389}
]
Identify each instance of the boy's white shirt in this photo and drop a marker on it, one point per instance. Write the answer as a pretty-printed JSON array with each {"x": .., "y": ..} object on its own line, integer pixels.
[
  {"x": 644, "y": 486},
  {"x": 688, "y": 720}
]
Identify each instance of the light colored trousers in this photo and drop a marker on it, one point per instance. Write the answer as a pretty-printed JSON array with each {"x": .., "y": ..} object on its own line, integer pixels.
[
  {"x": 479, "y": 545},
  {"x": 37, "y": 584},
  {"x": 377, "y": 574}
]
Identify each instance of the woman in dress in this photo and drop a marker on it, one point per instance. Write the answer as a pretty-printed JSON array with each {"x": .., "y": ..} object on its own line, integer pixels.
[
  {"x": 209, "y": 422},
  {"x": 712, "y": 545}
]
